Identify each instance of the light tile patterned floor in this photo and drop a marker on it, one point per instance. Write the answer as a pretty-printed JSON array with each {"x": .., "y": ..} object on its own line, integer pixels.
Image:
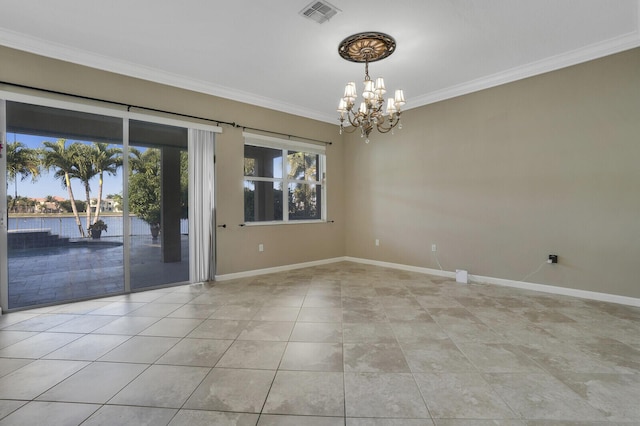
[{"x": 341, "y": 344}]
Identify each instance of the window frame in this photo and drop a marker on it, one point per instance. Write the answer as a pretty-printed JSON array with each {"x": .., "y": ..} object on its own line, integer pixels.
[{"x": 286, "y": 145}]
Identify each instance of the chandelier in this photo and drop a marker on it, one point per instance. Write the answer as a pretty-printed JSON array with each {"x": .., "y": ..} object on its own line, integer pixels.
[{"x": 369, "y": 47}]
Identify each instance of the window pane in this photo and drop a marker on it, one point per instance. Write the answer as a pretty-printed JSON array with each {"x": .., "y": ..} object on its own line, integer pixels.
[
  {"x": 159, "y": 228},
  {"x": 158, "y": 203},
  {"x": 302, "y": 166},
  {"x": 304, "y": 201},
  {"x": 262, "y": 162},
  {"x": 51, "y": 257},
  {"x": 262, "y": 201}
]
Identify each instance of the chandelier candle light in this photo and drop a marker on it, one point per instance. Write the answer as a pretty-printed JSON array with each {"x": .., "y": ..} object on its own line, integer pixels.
[{"x": 369, "y": 47}]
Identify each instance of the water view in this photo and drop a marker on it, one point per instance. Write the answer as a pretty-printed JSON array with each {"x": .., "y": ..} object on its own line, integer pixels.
[{"x": 65, "y": 226}]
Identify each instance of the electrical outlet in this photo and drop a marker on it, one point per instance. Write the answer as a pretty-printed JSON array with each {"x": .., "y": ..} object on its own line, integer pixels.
[
  {"x": 434, "y": 247},
  {"x": 377, "y": 242},
  {"x": 260, "y": 247}
]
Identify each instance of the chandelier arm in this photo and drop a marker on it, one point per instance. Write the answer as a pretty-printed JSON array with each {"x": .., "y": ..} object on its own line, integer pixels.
[
  {"x": 386, "y": 129},
  {"x": 392, "y": 124},
  {"x": 353, "y": 129},
  {"x": 357, "y": 122}
]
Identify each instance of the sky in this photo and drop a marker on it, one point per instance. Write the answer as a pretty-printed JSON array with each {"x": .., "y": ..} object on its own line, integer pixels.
[{"x": 48, "y": 185}]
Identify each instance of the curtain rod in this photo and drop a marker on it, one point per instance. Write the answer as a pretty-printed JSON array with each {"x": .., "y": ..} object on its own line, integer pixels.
[
  {"x": 287, "y": 135},
  {"x": 129, "y": 106}
]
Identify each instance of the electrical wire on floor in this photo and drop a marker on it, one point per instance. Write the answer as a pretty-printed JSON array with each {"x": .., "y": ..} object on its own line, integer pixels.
[
  {"x": 477, "y": 279},
  {"x": 435, "y": 253},
  {"x": 474, "y": 278},
  {"x": 534, "y": 272}
]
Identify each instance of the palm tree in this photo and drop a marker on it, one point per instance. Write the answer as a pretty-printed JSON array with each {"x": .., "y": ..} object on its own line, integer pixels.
[
  {"x": 303, "y": 199},
  {"x": 56, "y": 156},
  {"x": 83, "y": 169},
  {"x": 21, "y": 161},
  {"x": 145, "y": 183},
  {"x": 145, "y": 162},
  {"x": 144, "y": 186},
  {"x": 107, "y": 160}
]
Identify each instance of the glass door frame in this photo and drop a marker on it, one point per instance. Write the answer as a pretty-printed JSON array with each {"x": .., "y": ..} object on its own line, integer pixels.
[
  {"x": 92, "y": 107},
  {"x": 4, "y": 213}
]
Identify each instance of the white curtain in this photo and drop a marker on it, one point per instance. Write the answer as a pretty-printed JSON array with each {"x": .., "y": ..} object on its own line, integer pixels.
[{"x": 201, "y": 206}]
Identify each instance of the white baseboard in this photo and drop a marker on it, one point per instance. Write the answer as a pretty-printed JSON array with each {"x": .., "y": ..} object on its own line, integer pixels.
[
  {"x": 400, "y": 266},
  {"x": 275, "y": 269},
  {"x": 565, "y": 291},
  {"x": 543, "y": 288}
]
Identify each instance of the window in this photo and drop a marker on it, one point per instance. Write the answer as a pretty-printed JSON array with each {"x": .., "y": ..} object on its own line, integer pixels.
[{"x": 283, "y": 180}]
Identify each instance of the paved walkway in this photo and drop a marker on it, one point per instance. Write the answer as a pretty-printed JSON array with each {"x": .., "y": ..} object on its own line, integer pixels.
[{"x": 89, "y": 269}]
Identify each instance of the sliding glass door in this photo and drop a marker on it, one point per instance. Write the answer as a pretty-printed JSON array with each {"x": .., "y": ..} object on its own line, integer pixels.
[
  {"x": 94, "y": 204},
  {"x": 64, "y": 205}
]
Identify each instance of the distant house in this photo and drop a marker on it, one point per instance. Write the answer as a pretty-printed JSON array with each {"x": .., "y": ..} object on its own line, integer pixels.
[
  {"x": 48, "y": 205},
  {"x": 107, "y": 205}
]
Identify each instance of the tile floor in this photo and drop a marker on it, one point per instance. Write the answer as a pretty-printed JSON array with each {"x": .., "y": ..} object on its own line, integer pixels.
[{"x": 341, "y": 344}]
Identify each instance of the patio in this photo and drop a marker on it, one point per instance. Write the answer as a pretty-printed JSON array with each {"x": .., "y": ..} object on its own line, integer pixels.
[{"x": 87, "y": 268}]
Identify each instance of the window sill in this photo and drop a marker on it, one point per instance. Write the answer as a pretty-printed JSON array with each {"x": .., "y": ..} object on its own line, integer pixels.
[{"x": 279, "y": 222}]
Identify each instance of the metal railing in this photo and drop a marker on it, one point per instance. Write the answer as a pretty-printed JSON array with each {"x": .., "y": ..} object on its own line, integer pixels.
[{"x": 66, "y": 226}]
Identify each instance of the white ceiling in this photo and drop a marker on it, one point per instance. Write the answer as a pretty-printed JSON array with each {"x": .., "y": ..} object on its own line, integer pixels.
[{"x": 265, "y": 53}]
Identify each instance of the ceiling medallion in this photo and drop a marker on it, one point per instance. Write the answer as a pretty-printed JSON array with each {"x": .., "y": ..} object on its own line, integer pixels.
[{"x": 369, "y": 47}]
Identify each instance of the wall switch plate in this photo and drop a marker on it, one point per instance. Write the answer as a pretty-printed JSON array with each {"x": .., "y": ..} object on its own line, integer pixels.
[
  {"x": 377, "y": 242},
  {"x": 260, "y": 247},
  {"x": 434, "y": 247}
]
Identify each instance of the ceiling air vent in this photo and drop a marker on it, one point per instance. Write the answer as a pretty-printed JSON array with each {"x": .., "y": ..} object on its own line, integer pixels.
[{"x": 319, "y": 11}]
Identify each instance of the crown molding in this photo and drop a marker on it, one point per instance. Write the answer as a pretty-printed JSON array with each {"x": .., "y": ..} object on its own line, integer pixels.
[
  {"x": 567, "y": 59},
  {"x": 61, "y": 52},
  {"x": 58, "y": 51}
]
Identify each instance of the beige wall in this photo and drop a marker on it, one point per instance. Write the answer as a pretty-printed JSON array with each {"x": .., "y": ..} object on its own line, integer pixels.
[
  {"x": 501, "y": 178},
  {"x": 237, "y": 247},
  {"x": 497, "y": 179}
]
